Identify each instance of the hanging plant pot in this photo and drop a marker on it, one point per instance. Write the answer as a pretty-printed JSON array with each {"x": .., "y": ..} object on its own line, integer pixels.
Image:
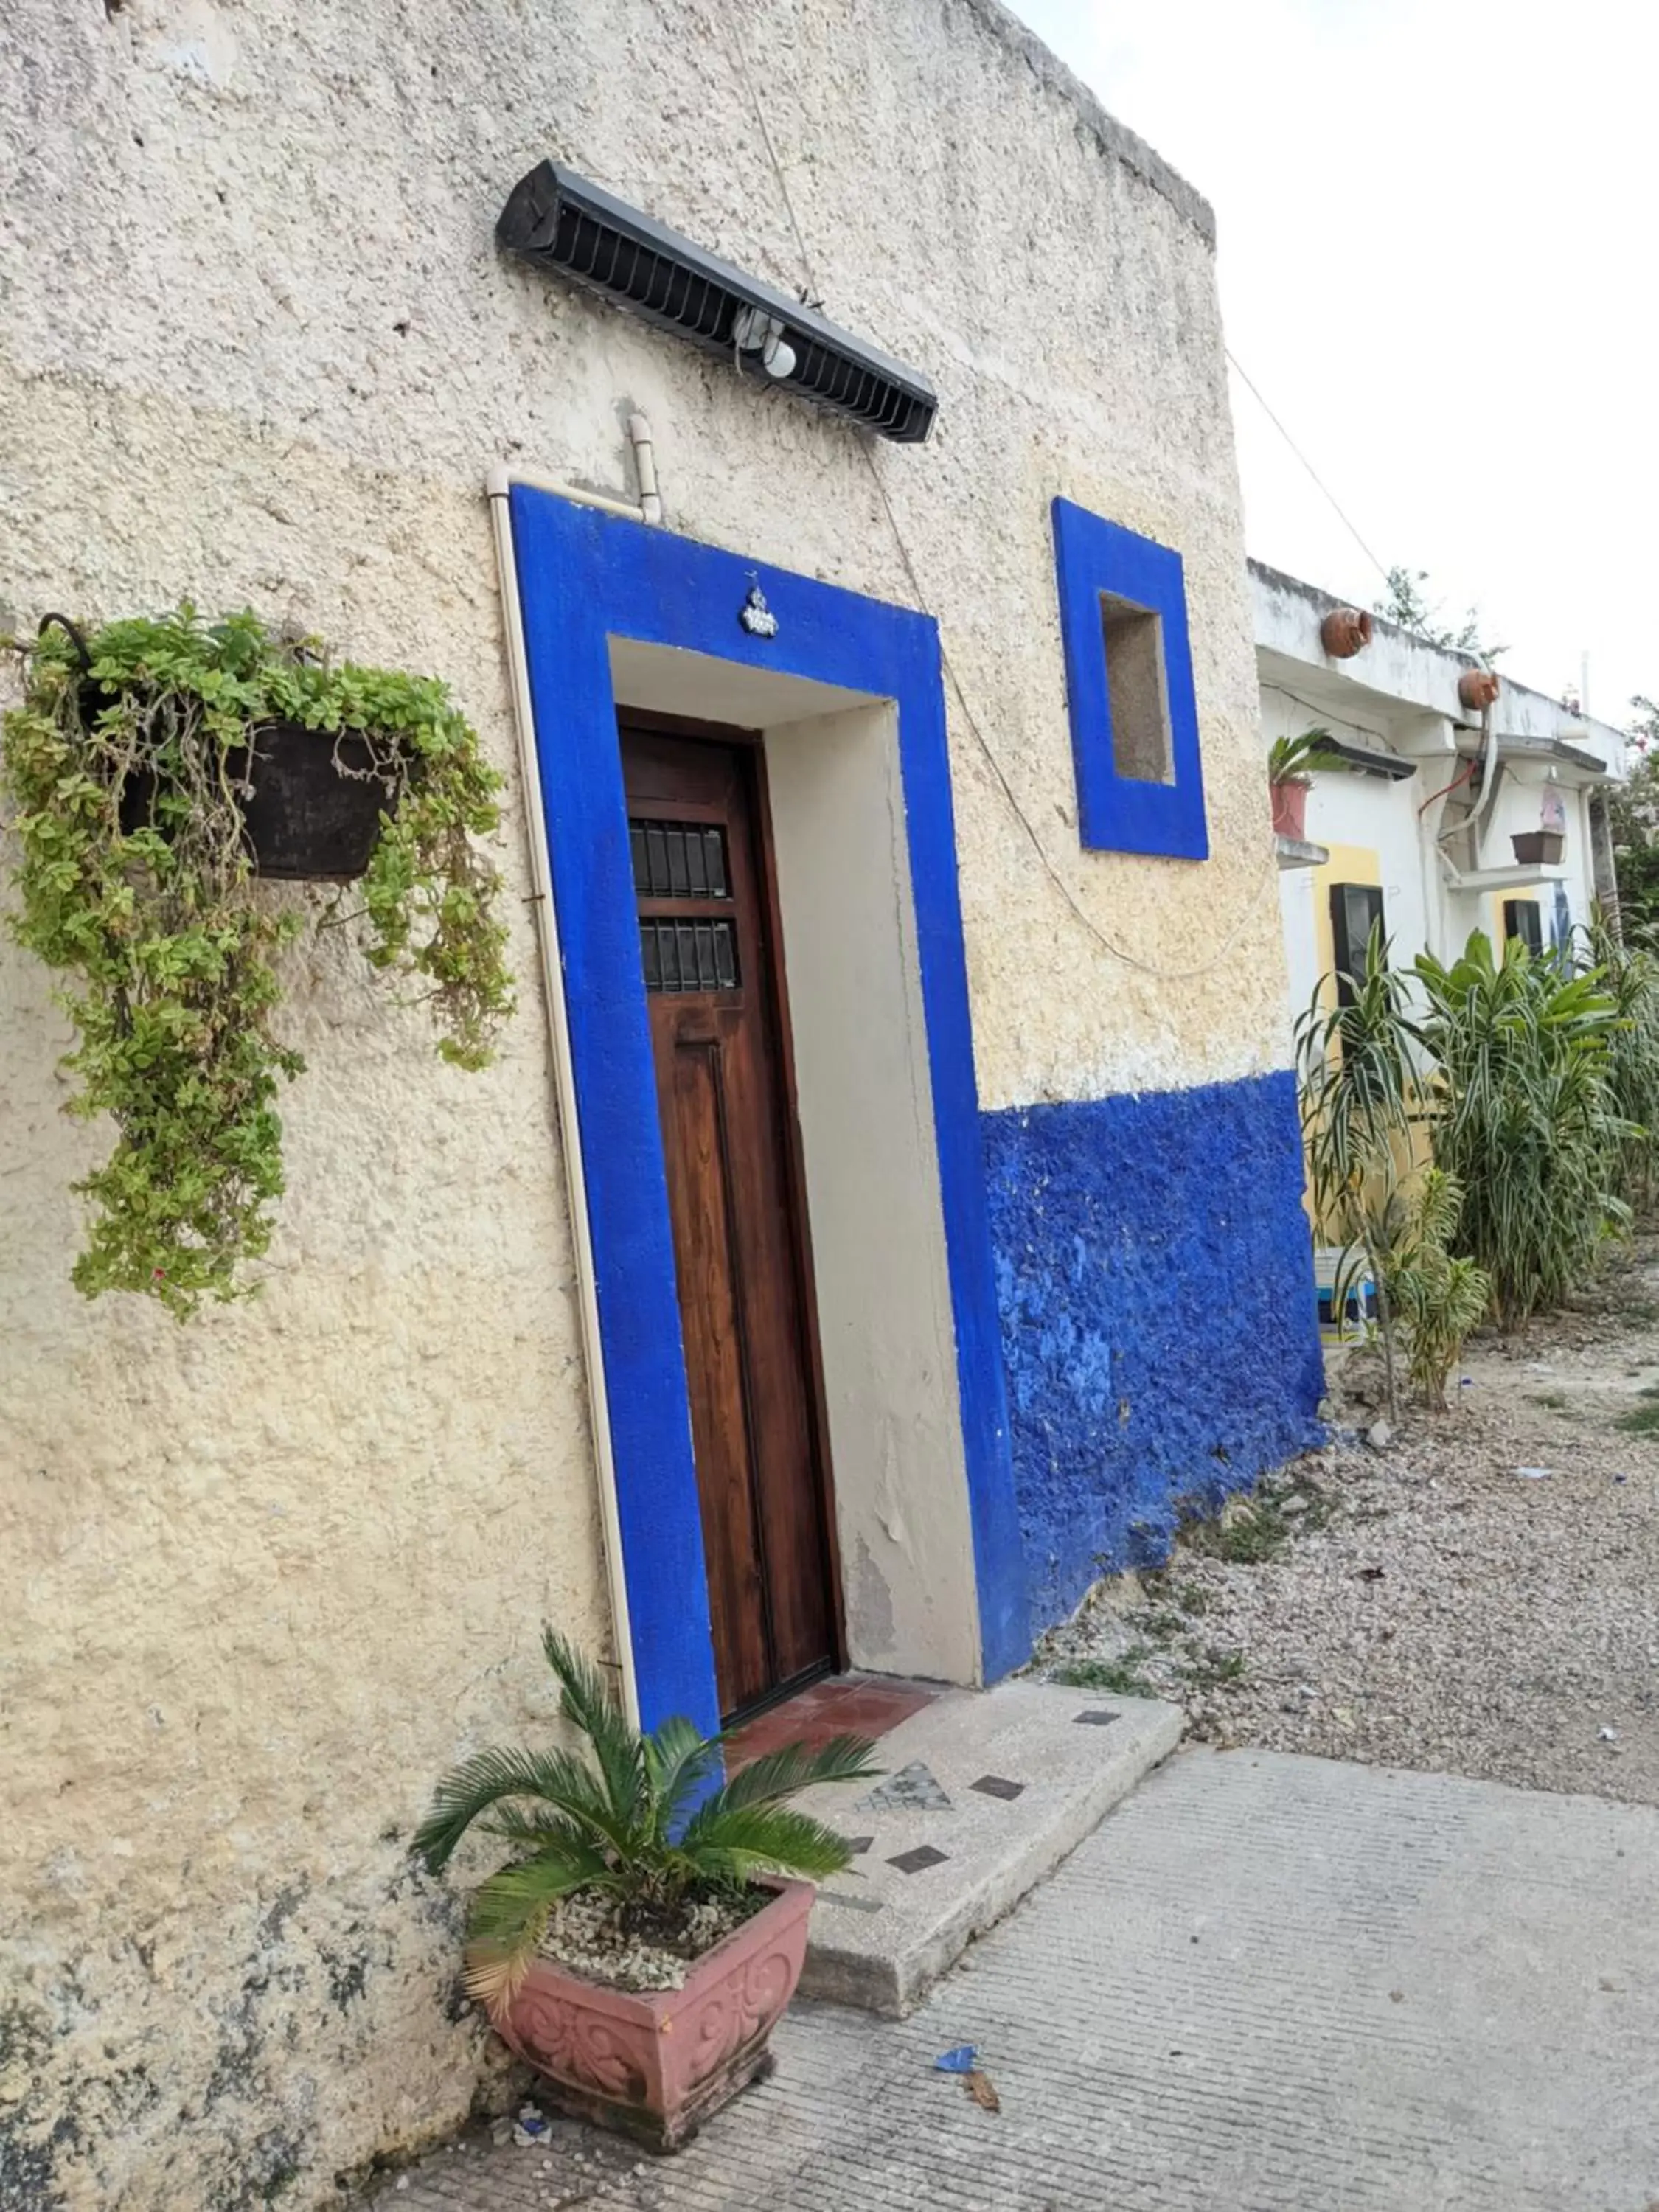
[
  {"x": 1289, "y": 802},
  {"x": 311, "y": 800},
  {"x": 147, "y": 760},
  {"x": 1538, "y": 847}
]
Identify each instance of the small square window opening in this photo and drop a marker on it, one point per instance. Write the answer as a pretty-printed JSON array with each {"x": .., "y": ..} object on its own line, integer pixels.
[
  {"x": 1523, "y": 919},
  {"x": 1137, "y": 691}
]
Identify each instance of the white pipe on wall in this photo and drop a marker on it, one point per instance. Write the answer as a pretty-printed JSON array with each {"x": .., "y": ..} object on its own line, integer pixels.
[
  {"x": 645, "y": 462},
  {"x": 500, "y": 481}
]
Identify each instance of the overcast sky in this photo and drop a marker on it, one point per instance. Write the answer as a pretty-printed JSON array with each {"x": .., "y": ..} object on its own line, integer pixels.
[{"x": 1438, "y": 261}]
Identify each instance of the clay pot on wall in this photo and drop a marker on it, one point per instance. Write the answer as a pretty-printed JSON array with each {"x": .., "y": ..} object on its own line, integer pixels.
[
  {"x": 1477, "y": 689},
  {"x": 654, "y": 2065},
  {"x": 1289, "y": 802},
  {"x": 1538, "y": 847},
  {"x": 1346, "y": 631}
]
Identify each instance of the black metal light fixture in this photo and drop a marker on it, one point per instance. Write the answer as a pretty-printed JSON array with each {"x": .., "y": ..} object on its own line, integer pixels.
[{"x": 560, "y": 222}]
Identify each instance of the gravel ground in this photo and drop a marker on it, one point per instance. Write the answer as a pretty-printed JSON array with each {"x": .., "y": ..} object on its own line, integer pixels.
[{"x": 1425, "y": 1605}]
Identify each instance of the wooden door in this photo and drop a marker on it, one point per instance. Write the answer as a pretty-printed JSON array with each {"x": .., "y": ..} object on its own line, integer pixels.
[{"x": 713, "y": 985}]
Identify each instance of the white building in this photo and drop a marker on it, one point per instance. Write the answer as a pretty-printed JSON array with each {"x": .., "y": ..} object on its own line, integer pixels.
[{"x": 1438, "y": 825}]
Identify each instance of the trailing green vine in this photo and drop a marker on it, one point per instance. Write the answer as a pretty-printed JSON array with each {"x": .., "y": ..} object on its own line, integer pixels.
[{"x": 125, "y": 770}]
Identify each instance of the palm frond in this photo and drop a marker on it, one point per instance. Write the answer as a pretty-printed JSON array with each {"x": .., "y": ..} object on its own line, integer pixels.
[
  {"x": 509, "y": 1917},
  {"x": 554, "y": 1777},
  {"x": 735, "y": 1841},
  {"x": 587, "y": 1702},
  {"x": 678, "y": 1757},
  {"x": 786, "y": 1773}
]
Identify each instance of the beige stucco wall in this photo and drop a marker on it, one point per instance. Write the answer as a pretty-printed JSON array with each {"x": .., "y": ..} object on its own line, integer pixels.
[{"x": 268, "y": 1574}]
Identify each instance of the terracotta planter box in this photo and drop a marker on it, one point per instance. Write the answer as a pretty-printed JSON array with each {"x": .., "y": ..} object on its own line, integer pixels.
[
  {"x": 1290, "y": 810},
  {"x": 653, "y": 2064},
  {"x": 1538, "y": 847}
]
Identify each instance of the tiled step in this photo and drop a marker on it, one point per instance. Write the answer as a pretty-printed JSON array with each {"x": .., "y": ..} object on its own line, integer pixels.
[{"x": 985, "y": 1793}]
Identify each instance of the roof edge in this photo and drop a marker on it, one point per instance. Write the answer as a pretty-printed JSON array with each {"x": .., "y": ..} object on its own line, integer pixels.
[
  {"x": 1115, "y": 139},
  {"x": 1326, "y": 602}
]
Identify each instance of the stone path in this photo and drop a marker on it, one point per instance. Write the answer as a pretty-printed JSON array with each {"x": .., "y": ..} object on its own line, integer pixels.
[{"x": 1268, "y": 1984}]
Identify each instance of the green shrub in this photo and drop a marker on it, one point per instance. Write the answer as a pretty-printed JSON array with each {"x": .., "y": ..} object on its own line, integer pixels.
[
  {"x": 1525, "y": 1120},
  {"x": 1629, "y": 974},
  {"x": 1436, "y": 1299},
  {"x": 1357, "y": 1090},
  {"x": 169, "y": 945}
]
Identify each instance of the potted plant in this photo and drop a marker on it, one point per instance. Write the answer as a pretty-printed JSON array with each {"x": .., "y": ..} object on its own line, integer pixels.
[
  {"x": 643, "y": 1941},
  {"x": 154, "y": 769},
  {"x": 1291, "y": 765}
]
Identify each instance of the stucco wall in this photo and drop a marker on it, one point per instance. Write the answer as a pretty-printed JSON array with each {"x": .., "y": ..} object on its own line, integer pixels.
[{"x": 272, "y": 1571}]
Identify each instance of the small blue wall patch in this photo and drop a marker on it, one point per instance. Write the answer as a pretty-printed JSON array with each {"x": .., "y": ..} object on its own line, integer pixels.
[{"x": 1155, "y": 1281}]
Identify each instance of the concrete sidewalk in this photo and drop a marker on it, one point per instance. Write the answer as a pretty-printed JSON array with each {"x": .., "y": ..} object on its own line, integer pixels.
[{"x": 1268, "y": 1984}]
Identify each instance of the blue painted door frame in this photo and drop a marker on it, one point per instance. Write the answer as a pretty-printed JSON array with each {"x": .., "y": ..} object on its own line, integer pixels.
[{"x": 584, "y": 578}]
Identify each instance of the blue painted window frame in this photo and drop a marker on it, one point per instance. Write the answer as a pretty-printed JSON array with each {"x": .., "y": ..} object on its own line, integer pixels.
[
  {"x": 585, "y": 577},
  {"x": 1119, "y": 813}
]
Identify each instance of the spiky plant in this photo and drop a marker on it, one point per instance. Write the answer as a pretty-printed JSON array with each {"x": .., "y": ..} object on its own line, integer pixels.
[
  {"x": 1629, "y": 973},
  {"x": 1438, "y": 1299},
  {"x": 1297, "y": 760},
  {"x": 631, "y": 1822},
  {"x": 1527, "y": 1121},
  {"x": 1357, "y": 1090}
]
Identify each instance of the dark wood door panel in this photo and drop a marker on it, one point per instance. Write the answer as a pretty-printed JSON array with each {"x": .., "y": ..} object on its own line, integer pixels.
[
  {"x": 708, "y": 1267},
  {"x": 719, "y": 1034}
]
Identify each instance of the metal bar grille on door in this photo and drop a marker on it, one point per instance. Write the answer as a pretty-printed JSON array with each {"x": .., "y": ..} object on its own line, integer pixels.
[{"x": 689, "y": 861}]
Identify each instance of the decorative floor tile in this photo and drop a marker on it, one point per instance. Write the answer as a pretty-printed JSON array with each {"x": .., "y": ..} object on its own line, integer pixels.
[
  {"x": 1098, "y": 1717},
  {"x": 913, "y": 1789},
  {"x": 859, "y": 1844},
  {"x": 914, "y": 1862},
  {"x": 993, "y": 1785}
]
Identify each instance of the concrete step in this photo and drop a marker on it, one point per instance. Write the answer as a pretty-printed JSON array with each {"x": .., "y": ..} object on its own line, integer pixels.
[{"x": 984, "y": 1793}]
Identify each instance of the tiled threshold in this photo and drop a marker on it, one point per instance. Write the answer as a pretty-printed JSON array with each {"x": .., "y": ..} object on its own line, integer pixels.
[
  {"x": 984, "y": 1793},
  {"x": 840, "y": 1704}
]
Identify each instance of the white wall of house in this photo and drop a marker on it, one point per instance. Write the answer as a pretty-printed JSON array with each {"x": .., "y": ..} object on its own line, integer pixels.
[{"x": 1399, "y": 696}]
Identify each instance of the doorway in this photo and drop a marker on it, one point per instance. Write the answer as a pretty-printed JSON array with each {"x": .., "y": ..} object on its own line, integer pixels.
[{"x": 700, "y": 843}]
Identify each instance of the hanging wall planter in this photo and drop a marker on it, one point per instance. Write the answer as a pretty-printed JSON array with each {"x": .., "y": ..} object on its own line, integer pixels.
[
  {"x": 311, "y": 802},
  {"x": 1538, "y": 847},
  {"x": 1346, "y": 631},
  {"x": 153, "y": 771}
]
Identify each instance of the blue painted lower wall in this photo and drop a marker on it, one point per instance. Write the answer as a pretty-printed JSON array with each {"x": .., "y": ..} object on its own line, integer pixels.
[{"x": 1155, "y": 1283}]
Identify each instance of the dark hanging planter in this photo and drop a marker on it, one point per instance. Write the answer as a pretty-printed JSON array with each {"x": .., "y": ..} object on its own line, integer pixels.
[
  {"x": 1538, "y": 847},
  {"x": 150, "y": 771},
  {"x": 312, "y": 801}
]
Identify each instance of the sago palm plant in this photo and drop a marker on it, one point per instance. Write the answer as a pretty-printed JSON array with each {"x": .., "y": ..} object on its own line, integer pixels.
[
  {"x": 636, "y": 1821},
  {"x": 1528, "y": 1121}
]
